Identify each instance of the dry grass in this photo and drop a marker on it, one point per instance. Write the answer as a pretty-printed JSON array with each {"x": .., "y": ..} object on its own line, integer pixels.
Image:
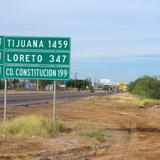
[
  {"x": 95, "y": 132},
  {"x": 32, "y": 126},
  {"x": 134, "y": 100}
]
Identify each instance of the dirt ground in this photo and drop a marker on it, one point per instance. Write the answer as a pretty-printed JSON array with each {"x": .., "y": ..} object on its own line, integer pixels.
[{"x": 134, "y": 132}]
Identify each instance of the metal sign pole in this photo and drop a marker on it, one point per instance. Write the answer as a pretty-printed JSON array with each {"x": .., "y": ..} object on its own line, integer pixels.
[
  {"x": 5, "y": 100},
  {"x": 37, "y": 85},
  {"x": 54, "y": 102}
]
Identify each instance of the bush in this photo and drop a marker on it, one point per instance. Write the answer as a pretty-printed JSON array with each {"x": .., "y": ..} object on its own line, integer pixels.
[
  {"x": 95, "y": 132},
  {"x": 147, "y": 87},
  {"x": 32, "y": 126}
]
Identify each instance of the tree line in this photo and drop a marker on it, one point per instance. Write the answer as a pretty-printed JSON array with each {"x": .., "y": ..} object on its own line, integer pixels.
[{"x": 80, "y": 84}]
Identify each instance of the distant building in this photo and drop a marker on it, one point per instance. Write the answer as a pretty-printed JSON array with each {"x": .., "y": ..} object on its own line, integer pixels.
[{"x": 105, "y": 82}]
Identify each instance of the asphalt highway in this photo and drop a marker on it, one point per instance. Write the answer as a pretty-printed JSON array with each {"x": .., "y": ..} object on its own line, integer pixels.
[{"x": 27, "y": 98}]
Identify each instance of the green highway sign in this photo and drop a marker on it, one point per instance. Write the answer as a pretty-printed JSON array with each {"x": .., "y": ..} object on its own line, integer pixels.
[
  {"x": 37, "y": 43},
  {"x": 1, "y": 71},
  {"x": 35, "y": 57},
  {"x": 1, "y": 56},
  {"x": 1, "y": 42},
  {"x": 30, "y": 72},
  {"x": 1, "y": 50},
  {"x": 38, "y": 57}
]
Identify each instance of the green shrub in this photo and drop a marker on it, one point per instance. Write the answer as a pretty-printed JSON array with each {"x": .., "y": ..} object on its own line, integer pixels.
[
  {"x": 147, "y": 87},
  {"x": 95, "y": 132},
  {"x": 32, "y": 126}
]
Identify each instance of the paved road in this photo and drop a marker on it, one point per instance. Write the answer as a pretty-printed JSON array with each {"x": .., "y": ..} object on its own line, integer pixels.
[{"x": 16, "y": 99}]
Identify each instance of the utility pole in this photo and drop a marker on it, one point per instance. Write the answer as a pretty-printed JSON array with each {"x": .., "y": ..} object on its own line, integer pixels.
[
  {"x": 76, "y": 74},
  {"x": 95, "y": 83}
]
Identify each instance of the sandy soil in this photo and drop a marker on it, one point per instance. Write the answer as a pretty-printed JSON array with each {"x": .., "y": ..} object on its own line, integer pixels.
[{"x": 134, "y": 132}]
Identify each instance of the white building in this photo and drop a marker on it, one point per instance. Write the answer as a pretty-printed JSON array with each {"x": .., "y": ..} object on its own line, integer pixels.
[{"x": 105, "y": 82}]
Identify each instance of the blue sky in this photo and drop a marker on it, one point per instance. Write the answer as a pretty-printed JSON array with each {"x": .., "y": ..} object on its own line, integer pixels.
[{"x": 115, "y": 39}]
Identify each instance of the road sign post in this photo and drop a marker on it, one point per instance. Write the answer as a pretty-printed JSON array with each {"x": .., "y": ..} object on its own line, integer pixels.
[
  {"x": 37, "y": 85},
  {"x": 5, "y": 101},
  {"x": 54, "y": 103}
]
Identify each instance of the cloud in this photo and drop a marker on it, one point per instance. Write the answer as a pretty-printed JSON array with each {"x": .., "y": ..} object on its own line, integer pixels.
[{"x": 98, "y": 29}]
